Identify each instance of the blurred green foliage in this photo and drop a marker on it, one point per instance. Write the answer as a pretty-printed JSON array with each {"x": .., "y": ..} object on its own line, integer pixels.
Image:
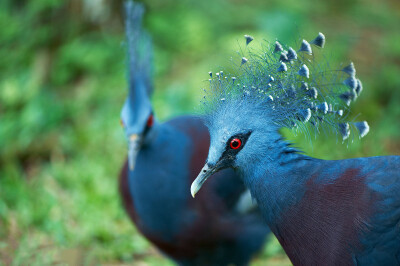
[{"x": 62, "y": 84}]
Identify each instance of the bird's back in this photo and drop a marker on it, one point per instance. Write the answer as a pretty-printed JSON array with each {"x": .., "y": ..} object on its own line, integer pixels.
[
  {"x": 381, "y": 244},
  {"x": 156, "y": 195}
]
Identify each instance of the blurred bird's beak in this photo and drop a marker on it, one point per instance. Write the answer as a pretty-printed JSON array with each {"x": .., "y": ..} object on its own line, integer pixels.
[
  {"x": 205, "y": 173},
  {"x": 133, "y": 149}
]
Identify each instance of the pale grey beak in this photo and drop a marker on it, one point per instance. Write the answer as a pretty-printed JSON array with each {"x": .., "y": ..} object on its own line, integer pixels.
[
  {"x": 133, "y": 149},
  {"x": 205, "y": 173}
]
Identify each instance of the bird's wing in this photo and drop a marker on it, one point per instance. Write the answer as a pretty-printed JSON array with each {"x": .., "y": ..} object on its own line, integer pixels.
[{"x": 382, "y": 244}]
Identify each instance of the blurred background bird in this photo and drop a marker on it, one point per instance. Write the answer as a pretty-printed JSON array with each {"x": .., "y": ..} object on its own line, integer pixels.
[
  {"x": 323, "y": 212},
  {"x": 62, "y": 80},
  {"x": 223, "y": 226}
]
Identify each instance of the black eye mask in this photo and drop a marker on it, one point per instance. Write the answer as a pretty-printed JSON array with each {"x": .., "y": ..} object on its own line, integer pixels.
[{"x": 233, "y": 146}]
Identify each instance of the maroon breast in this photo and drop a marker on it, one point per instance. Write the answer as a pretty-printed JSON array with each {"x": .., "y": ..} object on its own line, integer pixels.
[{"x": 326, "y": 225}]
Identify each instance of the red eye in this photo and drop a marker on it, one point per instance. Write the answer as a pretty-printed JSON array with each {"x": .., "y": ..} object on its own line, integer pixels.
[
  {"x": 236, "y": 143},
  {"x": 122, "y": 123},
  {"x": 150, "y": 121}
]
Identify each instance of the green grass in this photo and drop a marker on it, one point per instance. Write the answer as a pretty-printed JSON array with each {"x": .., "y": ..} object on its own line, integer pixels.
[{"x": 62, "y": 84}]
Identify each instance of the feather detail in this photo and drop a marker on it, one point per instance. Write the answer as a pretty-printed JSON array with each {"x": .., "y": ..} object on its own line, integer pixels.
[
  {"x": 319, "y": 40},
  {"x": 278, "y": 47},
  {"x": 282, "y": 67},
  {"x": 305, "y": 47},
  {"x": 248, "y": 38},
  {"x": 362, "y": 127},
  {"x": 344, "y": 130},
  {"x": 274, "y": 79},
  {"x": 291, "y": 54},
  {"x": 350, "y": 70},
  {"x": 304, "y": 72}
]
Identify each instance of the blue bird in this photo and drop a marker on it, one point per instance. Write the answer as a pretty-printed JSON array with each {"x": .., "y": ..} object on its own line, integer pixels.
[
  {"x": 323, "y": 212},
  {"x": 223, "y": 226}
]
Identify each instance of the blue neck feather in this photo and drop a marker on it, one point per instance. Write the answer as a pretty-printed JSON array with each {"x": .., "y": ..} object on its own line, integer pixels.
[
  {"x": 167, "y": 181},
  {"x": 274, "y": 174}
]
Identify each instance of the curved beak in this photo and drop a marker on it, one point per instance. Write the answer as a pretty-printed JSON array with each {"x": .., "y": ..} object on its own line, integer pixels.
[
  {"x": 133, "y": 149},
  {"x": 205, "y": 173}
]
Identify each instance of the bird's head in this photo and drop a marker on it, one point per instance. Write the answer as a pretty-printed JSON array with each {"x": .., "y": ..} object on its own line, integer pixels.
[
  {"x": 236, "y": 140},
  {"x": 137, "y": 116},
  {"x": 137, "y": 120},
  {"x": 275, "y": 88}
]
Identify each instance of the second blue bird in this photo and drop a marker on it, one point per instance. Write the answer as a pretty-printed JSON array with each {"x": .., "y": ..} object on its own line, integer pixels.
[{"x": 222, "y": 226}]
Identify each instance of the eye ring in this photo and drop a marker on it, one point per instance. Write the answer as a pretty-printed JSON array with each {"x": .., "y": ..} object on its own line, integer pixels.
[
  {"x": 150, "y": 121},
  {"x": 235, "y": 143}
]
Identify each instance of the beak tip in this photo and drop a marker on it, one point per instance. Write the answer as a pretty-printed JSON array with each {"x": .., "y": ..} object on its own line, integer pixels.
[
  {"x": 131, "y": 164},
  {"x": 133, "y": 149},
  {"x": 193, "y": 190},
  {"x": 201, "y": 178}
]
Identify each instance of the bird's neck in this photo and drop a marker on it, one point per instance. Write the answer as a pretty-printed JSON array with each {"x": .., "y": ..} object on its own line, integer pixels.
[{"x": 277, "y": 181}]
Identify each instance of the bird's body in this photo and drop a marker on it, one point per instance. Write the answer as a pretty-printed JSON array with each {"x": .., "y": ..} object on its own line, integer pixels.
[
  {"x": 163, "y": 160},
  {"x": 323, "y": 212},
  {"x": 205, "y": 231}
]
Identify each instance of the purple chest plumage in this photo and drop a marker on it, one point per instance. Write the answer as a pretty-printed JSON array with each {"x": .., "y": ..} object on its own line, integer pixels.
[{"x": 328, "y": 222}]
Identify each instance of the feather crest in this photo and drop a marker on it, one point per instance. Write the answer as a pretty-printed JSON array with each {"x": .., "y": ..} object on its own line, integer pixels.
[{"x": 291, "y": 90}]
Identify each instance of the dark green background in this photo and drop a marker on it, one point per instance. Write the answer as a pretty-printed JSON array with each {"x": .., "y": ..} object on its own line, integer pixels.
[{"x": 63, "y": 82}]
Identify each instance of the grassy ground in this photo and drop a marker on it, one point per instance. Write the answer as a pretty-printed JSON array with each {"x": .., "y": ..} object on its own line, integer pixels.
[{"x": 62, "y": 84}]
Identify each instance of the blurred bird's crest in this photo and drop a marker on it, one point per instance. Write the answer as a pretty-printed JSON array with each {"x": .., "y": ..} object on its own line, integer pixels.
[
  {"x": 288, "y": 87},
  {"x": 137, "y": 114},
  {"x": 137, "y": 106}
]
